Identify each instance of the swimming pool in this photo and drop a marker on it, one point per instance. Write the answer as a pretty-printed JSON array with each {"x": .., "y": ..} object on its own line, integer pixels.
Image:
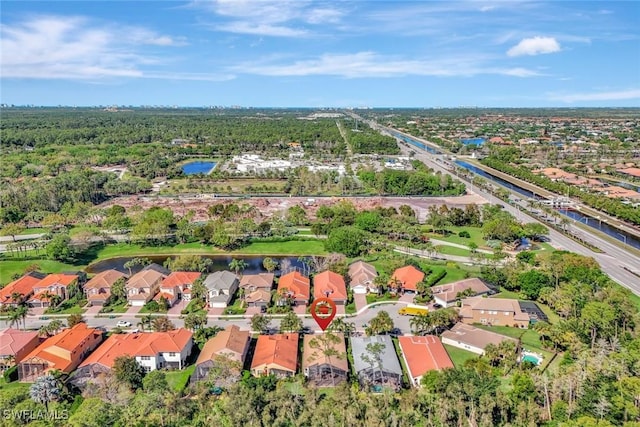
[{"x": 530, "y": 357}]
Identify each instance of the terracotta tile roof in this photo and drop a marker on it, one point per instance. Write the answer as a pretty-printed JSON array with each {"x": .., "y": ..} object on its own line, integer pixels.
[
  {"x": 315, "y": 356},
  {"x": 259, "y": 295},
  {"x": 231, "y": 342},
  {"x": 449, "y": 291},
  {"x": 14, "y": 340},
  {"x": 631, "y": 171},
  {"x": 104, "y": 279},
  {"x": 279, "y": 349},
  {"x": 409, "y": 276},
  {"x": 24, "y": 286},
  {"x": 329, "y": 284},
  {"x": 475, "y": 337},
  {"x": 144, "y": 279},
  {"x": 361, "y": 272},
  {"x": 296, "y": 283},
  {"x": 59, "y": 350},
  {"x": 424, "y": 354},
  {"x": 57, "y": 279},
  {"x": 138, "y": 344},
  {"x": 180, "y": 278},
  {"x": 260, "y": 280},
  {"x": 165, "y": 295},
  {"x": 42, "y": 296}
]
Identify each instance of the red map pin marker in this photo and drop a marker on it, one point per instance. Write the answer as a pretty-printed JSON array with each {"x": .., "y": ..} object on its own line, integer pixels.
[{"x": 323, "y": 311}]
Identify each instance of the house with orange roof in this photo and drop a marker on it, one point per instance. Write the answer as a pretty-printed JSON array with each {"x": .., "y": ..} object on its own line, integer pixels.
[
  {"x": 15, "y": 345},
  {"x": 62, "y": 352},
  {"x": 21, "y": 288},
  {"x": 448, "y": 295},
  {"x": 98, "y": 289},
  {"x": 144, "y": 285},
  {"x": 53, "y": 284},
  {"x": 294, "y": 287},
  {"x": 330, "y": 285},
  {"x": 152, "y": 350},
  {"x": 177, "y": 285},
  {"x": 257, "y": 289},
  {"x": 494, "y": 311},
  {"x": 229, "y": 347},
  {"x": 635, "y": 172},
  {"x": 275, "y": 354},
  {"x": 325, "y": 368},
  {"x": 406, "y": 278},
  {"x": 423, "y": 354},
  {"x": 361, "y": 277}
]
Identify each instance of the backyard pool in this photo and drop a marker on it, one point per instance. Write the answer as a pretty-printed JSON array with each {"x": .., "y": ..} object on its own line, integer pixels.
[{"x": 531, "y": 357}]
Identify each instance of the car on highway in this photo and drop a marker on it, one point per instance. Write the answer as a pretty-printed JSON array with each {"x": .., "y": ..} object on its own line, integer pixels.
[{"x": 123, "y": 324}]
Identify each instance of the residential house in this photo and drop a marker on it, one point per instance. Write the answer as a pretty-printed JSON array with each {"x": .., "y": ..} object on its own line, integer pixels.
[
  {"x": 144, "y": 285},
  {"x": 295, "y": 287},
  {"x": 275, "y": 354},
  {"x": 231, "y": 345},
  {"x": 257, "y": 289},
  {"x": 62, "y": 352},
  {"x": 448, "y": 295},
  {"x": 321, "y": 369},
  {"x": 472, "y": 339},
  {"x": 21, "y": 288},
  {"x": 15, "y": 345},
  {"x": 98, "y": 289},
  {"x": 406, "y": 278},
  {"x": 152, "y": 350},
  {"x": 330, "y": 285},
  {"x": 177, "y": 286},
  {"x": 361, "y": 277},
  {"x": 53, "y": 284},
  {"x": 376, "y": 363},
  {"x": 494, "y": 311},
  {"x": 423, "y": 354},
  {"x": 221, "y": 286}
]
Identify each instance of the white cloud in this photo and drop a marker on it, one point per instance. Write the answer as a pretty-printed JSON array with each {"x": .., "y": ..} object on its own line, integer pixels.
[
  {"x": 535, "y": 46},
  {"x": 370, "y": 64},
  {"x": 75, "y": 48},
  {"x": 598, "y": 96},
  {"x": 261, "y": 29}
]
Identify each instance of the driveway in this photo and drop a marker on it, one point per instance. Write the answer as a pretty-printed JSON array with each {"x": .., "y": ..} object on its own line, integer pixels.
[
  {"x": 216, "y": 311},
  {"x": 94, "y": 309},
  {"x": 407, "y": 297},
  {"x": 132, "y": 311},
  {"x": 176, "y": 309},
  {"x": 360, "y": 300},
  {"x": 300, "y": 309},
  {"x": 253, "y": 310}
]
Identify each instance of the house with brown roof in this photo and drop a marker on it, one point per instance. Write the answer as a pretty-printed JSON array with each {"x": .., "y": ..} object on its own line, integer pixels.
[
  {"x": 257, "y": 289},
  {"x": 324, "y": 360},
  {"x": 229, "y": 346},
  {"x": 15, "y": 345},
  {"x": 177, "y": 285},
  {"x": 275, "y": 354},
  {"x": 152, "y": 350},
  {"x": 361, "y": 277},
  {"x": 53, "y": 284},
  {"x": 98, "y": 289},
  {"x": 62, "y": 352},
  {"x": 406, "y": 278},
  {"x": 144, "y": 285},
  {"x": 470, "y": 338},
  {"x": 330, "y": 285},
  {"x": 294, "y": 287},
  {"x": 494, "y": 311},
  {"x": 20, "y": 289},
  {"x": 447, "y": 295},
  {"x": 423, "y": 354}
]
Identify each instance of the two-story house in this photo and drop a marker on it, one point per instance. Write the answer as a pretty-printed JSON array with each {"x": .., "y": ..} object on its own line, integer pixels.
[
  {"x": 257, "y": 289},
  {"x": 144, "y": 285},
  {"x": 221, "y": 286},
  {"x": 361, "y": 277},
  {"x": 98, "y": 289},
  {"x": 294, "y": 288},
  {"x": 15, "y": 345},
  {"x": 53, "y": 284},
  {"x": 494, "y": 311},
  {"x": 230, "y": 347},
  {"x": 177, "y": 286},
  {"x": 62, "y": 352},
  {"x": 20, "y": 289}
]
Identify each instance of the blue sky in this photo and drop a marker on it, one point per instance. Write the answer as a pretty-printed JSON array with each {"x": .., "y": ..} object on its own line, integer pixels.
[{"x": 321, "y": 54}]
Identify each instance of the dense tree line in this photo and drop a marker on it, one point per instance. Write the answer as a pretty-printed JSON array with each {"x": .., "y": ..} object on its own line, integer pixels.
[
  {"x": 365, "y": 140},
  {"x": 405, "y": 183}
]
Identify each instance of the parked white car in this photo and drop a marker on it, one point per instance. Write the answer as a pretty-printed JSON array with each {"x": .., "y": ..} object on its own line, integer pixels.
[{"x": 123, "y": 324}]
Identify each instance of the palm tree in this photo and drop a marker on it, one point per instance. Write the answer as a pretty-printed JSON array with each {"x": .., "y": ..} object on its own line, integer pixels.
[
  {"x": 22, "y": 312},
  {"x": 13, "y": 317},
  {"x": 16, "y": 297},
  {"x": 145, "y": 321},
  {"x": 237, "y": 265},
  {"x": 162, "y": 324},
  {"x": 45, "y": 389}
]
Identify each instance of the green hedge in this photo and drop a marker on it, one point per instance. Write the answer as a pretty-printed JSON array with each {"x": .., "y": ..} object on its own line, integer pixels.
[{"x": 11, "y": 374}]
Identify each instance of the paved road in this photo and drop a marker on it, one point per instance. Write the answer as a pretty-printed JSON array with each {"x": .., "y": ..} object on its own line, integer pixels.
[{"x": 612, "y": 261}]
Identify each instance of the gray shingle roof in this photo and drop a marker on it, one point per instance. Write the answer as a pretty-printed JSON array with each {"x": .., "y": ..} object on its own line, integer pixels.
[{"x": 390, "y": 362}]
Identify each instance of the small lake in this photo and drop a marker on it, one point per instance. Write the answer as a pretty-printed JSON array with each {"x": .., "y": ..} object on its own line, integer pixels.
[
  {"x": 220, "y": 262},
  {"x": 193, "y": 168}
]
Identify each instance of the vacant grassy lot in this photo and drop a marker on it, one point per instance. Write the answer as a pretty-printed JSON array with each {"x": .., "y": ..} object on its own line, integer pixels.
[
  {"x": 451, "y": 250},
  {"x": 452, "y": 235}
]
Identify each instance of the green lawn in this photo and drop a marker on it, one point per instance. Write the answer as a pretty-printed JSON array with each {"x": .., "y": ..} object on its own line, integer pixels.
[
  {"x": 10, "y": 266},
  {"x": 293, "y": 247},
  {"x": 13, "y": 385},
  {"x": 71, "y": 310},
  {"x": 451, "y": 250},
  {"x": 119, "y": 308},
  {"x": 35, "y": 230},
  {"x": 179, "y": 379},
  {"x": 474, "y": 232},
  {"x": 459, "y": 356}
]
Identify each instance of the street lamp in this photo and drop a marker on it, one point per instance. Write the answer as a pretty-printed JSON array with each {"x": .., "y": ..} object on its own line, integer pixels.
[{"x": 623, "y": 237}]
